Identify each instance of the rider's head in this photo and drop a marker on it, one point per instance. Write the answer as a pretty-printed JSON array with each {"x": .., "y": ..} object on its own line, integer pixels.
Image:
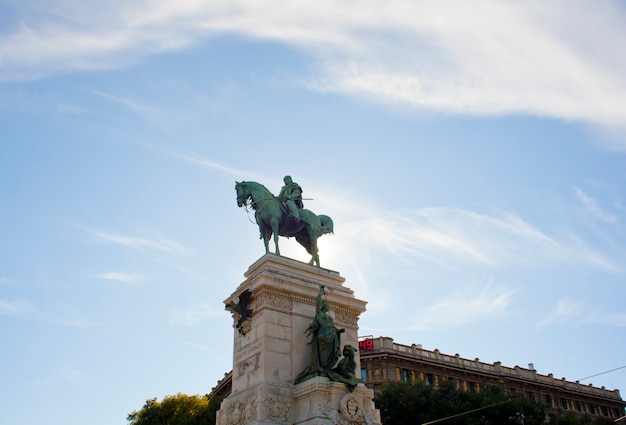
[{"x": 287, "y": 179}]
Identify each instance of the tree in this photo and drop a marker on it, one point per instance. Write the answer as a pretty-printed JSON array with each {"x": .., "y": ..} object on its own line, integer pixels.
[
  {"x": 416, "y": 403},
  {"x": 181, "y": 409}
]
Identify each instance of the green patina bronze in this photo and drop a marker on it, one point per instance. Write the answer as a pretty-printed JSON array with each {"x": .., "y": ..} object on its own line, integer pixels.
[
  {"x": 284, "y": 215},
  {"x": 345, "y": 371},
  {"x": 326, "y": 348},
  {"x": 241, "y": 312},
  {"x": 291, "y": 197}
]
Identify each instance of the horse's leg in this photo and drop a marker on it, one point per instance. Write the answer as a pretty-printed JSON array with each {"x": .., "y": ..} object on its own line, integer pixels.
[
  {"x": 274, "y": 223},
  {"x": 265, "y": 235},
  {"x": 315, "y": 259}
]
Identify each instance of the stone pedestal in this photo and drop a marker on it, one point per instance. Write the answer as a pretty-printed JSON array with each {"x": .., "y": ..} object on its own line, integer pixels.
[
  {"x": 272, "y": 348},
  {"x": 320, "y": 401}
]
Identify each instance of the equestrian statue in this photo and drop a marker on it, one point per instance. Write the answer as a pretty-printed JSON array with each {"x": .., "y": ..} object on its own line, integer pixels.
[{"x": 284, "y": 215}]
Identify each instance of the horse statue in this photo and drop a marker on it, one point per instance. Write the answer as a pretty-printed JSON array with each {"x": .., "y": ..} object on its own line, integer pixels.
[{"x": 273, "y": 219}]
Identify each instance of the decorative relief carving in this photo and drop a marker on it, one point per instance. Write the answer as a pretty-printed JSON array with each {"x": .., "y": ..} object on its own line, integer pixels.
[
  {"x": 275, "y": 301},
  {"x": 354, "y": 410},
  {"x": 346, "y": 318},
  {"x": 378, "y": 373},
  {"x": 277, "y": 408},
  {"x": 248, "y": 365},
  {"x": 252, "y": 409},
  {"x": 231, "y": 413},
  {"x": 351, "y": 409}
]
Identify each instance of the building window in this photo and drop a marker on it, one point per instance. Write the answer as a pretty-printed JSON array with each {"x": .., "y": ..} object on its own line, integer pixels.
[
  {"x": 592, "y": 408},
  {"x": 472, "y": 386},
  {"x": 364, "y": 375},
  {"x": 405, "y": 375},
  {"x": 578, "y": 407},
  {"x": 549, "y": 401},
  {"x": 563, "y": 404},
  {"x": 429, "y": 379}
]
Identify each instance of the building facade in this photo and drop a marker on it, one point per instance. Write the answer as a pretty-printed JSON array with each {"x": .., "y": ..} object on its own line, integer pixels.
[{"x": 384, "y": 361}]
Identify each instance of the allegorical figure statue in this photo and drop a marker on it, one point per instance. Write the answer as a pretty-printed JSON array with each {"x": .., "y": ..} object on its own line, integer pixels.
[
  {"x": 291, "y": 196},
  {"x": 326, "y": 348}
]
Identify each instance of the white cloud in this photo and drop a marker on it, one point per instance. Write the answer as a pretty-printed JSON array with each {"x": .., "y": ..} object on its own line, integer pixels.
[
  {"x": 121, "y": 277},
  {"x": 465, "y": 307},
  {"x": 197, "y": 346},
  {"x": 453, "y": 240},
  {"x": 161, "y": 245},
  {"x": 485, "y": 57},
  {"x": 593, "y": 208},
  {"x": 144, "y": 111},
  {"x": 447, "y": 236},
  {"x": 565, "y": 310},
  {"x": 68, "y": 108},
  {"x": 192, "y": 316},
  {"x": 15, "y": 307},
  {"x": 577, "y": 313},
  {"x": 209, "y": 164}
]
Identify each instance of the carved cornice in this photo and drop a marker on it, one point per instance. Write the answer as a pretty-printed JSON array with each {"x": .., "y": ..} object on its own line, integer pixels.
[{"x": 276, "y": 299}]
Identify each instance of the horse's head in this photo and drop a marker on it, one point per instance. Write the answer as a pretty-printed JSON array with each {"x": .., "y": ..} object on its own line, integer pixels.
[
  {"x": 242, "y": 193},
  {"x": 327, "y": 225}
]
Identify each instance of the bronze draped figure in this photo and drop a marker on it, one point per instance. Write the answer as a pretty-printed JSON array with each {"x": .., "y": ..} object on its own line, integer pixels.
[{"x": 325, "y": 349}]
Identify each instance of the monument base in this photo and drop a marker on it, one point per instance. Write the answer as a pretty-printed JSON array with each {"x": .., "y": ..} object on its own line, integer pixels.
[
  {"x": 262, "y": 404},
  {"x": 272, "y": 310},
  {"x": 321, "y": 401}
]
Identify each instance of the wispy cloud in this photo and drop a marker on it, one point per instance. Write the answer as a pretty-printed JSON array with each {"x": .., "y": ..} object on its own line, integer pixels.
[
  {"x": 219, "y": 167},
  {"x": 454, "y": 238},
  {"x": 192, "y": 316},
  {"x": 465, "y": 307},
  {"x": 197, "y": 346},
  {"x": 14, "y": 307},
  {"x": 487, "y": 57},
  {"x": 121, "y": 277},
  {"x": 161, "y": 245},
  {"x": 577, "y": 313},
  {"x": 441, "y": 235},
  {"x": 143, "y": 110},
  {"x": 592, "y": 207},
  {"x": 68, "y": 108}
]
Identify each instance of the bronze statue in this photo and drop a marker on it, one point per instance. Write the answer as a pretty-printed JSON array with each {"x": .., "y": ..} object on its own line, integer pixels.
[
  {"x": 291, "y": 197},
  {"x": 241, "y": 312},
  {"x": 325, "y": 338},
  {"x": 273, "y": 219},
  {"x": 345, "y": 371},
  {"x": 347, "y": 366},
  {"x": 325, "y": 349}
]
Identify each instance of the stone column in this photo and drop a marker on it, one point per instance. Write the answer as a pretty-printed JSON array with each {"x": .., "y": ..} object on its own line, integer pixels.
[{"x": 270, "y": 349}]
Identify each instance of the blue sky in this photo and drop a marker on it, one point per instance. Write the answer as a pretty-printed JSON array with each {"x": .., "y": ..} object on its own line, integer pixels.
[{"x": 472, "y": 157}]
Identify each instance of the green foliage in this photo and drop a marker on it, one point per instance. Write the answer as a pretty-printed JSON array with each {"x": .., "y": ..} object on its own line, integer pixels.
[
  {"x": 416, "y": 403},
  {"x": 572, "y": 419},
  {"x": 181, "y": 409}
]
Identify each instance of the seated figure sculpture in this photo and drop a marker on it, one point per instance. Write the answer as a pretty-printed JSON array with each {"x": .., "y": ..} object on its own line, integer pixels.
[{"x": 325, "y": 349}]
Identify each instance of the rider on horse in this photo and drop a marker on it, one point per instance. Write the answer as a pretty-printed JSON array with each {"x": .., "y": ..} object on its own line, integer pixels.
[{"x": 291, "y": 197}]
